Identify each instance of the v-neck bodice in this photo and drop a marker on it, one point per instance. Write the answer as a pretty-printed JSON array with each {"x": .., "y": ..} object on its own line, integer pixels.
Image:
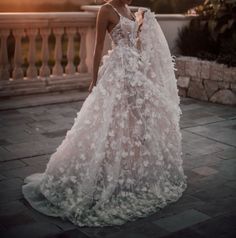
[{"x": 125, "y": 32}]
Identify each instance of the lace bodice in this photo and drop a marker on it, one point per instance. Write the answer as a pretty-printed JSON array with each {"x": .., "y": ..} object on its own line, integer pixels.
[{"x": 125, "y": 32}]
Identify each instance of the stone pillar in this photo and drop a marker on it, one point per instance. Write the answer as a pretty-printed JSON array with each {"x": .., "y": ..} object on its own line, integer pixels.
[
  {"x": 18, "y": 71},
  {"x": 44, "y": 70},
  {"x": 70, "y": 68},
  {"x": 4, "y": 64},
  {"x": 32, "y": 70},
  {"x": 58, "y": 69},
  {"x": 82, "y": 67}
]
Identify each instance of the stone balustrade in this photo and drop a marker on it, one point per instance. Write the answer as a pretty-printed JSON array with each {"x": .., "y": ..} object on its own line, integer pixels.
[
  {"x": 38, "y": 50},
  {"x": 25, "y": 42}
]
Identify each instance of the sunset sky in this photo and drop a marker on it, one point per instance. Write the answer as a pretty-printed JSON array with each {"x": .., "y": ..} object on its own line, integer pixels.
[
  {"x": 37, "y": 2},
  {"x": 41, "y": 5}
]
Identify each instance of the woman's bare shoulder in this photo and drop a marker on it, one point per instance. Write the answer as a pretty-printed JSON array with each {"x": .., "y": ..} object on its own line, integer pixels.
[{"x": 105, "y": 8}]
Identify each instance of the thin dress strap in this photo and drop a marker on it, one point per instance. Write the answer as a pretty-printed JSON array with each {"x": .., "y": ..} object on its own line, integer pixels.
[
  {"x": 114, "y": 9},
  {"x": 133, "y": 16}
]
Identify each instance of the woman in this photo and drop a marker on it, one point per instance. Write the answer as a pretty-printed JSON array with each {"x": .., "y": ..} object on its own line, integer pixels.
[{"x": 122, "y": 157}]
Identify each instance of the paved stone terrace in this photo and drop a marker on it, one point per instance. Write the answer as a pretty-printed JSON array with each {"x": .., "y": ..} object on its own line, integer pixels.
[{"x": 28, "y": 136}]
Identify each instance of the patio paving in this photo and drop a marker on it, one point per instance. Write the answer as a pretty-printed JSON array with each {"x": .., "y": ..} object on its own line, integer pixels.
[{"x": 28, "y": 136}]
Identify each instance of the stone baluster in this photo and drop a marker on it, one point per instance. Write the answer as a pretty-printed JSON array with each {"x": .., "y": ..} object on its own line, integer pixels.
[
  {"x": 4, "y": 64},
  {"x": 44, "y": 69},
  {"x": 70, "y": 68},
  {"x": 82, "y": 67},
  {"x": 58, "y": 69},
  {"x": 32, "y": 70},
  {"x": 18, "y": 71},
  {"x": 90, "y": 43}
]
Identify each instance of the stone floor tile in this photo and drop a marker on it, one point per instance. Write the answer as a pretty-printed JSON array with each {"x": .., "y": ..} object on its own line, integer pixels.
[
  {"x": 185, "y": 233},
  {"x": 227, "y": 154},
  {"x": 2, "y": 177},
  {"x": 4, "y": 142},
  {"x": 7, "y": 195},
  {"x": 10, "y": 183},
  {"x": 25, "y": 171},
  {"x": 137, "y": 230},
  {"x": 226, "y": 168},
  {"x": 32, "y": 230},
  {"x": 218, "y": 206},
  {"x": 182, "y": 220},
  {"x": 42, "y": 159},
  {"x": 205, "y": 171},
  {"x": 11, "y": 208},
  {"x": 54, "y": 134},
  {"x": 218, "y": 227},
  {"x": 29, "y": 149},
  {"x": 70, "y": 234},
  {"x": 9, "y": 221},
  {"x": 217, "y": 192},
  {"x": 6, "y": 155},
  {"x": 7, "y": 165}
]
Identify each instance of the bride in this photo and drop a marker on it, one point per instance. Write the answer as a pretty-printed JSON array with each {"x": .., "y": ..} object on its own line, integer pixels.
[{"x": 121, "y": 160}]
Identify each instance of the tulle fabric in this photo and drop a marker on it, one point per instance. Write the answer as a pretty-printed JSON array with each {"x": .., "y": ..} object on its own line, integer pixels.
[{"x": 122, "y": 157}]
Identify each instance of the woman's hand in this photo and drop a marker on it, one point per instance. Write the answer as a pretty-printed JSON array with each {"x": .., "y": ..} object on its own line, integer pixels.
[
  {"x": 92, "y": 84},
  {"x": 140, "y": 16}
]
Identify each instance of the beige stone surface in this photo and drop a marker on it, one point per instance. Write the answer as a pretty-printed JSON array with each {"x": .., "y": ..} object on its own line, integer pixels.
[
  {"x": 228, "y": 74},
  {"x": 182, "y": 92},
  {"x": 180, "y": 66},
  {"x": 197, "y": 90},
  {"x": 211, "y": 87},
  {"x": 205, "y": 69},
  {"x": 217, "y": 71},
  {"x": 193, "y": 67},
  {"x": 224, "y": 96},
  {"x": 224, "y": 85},
  {"x": 233, "y": 87},
  {"x": 183, "y": 82}
]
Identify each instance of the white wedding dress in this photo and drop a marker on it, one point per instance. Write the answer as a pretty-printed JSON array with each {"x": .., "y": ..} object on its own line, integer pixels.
[{"x": 122, "y": 157}]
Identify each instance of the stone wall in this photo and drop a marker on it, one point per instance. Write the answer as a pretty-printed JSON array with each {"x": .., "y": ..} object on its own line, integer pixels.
[{"x": 205, "y": 80}]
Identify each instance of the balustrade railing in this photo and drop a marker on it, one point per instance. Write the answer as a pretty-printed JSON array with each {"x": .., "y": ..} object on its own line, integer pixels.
[
  {"x": 41, "y": 46},
  {"x": 41, "y": 52}
]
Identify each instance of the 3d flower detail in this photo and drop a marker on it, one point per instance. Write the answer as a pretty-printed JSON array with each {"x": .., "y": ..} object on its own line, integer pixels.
[
  {"x": 124, "y": 154},
  {"x": 145, "y": 163},
  {"x": 82, "y": 156},
  {"x": 92, "y": 146},
  {"x": 111, "y": 134},
  {"x": 87, "y": 122},
  {"x": 139, "y": 101}
]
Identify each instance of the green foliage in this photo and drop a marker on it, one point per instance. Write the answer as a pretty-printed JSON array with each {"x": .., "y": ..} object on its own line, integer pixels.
[
  {"x": 174, "y": 6},
  {"x": 194, "y": 39},
  {"x": 212, "y": 33},
  {"x": 167, "y": 6}
]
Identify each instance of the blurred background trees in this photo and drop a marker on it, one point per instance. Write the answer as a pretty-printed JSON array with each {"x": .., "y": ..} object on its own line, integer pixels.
[
  {"x": 211, "y": 35},
  {"x": 168, "y": 6}
]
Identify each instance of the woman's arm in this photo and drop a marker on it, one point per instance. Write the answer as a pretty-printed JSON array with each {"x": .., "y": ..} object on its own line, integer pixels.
[
  {"x": 140, "y": 18},
  {"x": 101, "y": 27}
]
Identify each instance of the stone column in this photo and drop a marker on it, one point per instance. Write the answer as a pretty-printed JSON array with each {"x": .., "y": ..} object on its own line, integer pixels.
[
  {"x": 58, "y": 69},
  {"x": 4, "y": 64},
  {"x": 32, "y": 70},
  {"x": 18, "y": 71},
  {"x": 44, "y": 70},
  {"x": 70, "y": 68}
]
